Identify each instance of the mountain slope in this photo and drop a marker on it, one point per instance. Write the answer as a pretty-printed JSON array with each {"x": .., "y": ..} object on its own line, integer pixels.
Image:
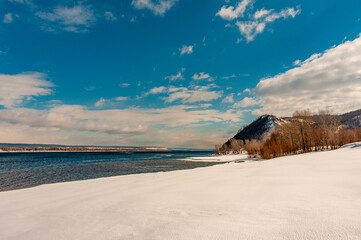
[
  {"x": 351, "y": 120},
  {"x": 254, "y": 131}
]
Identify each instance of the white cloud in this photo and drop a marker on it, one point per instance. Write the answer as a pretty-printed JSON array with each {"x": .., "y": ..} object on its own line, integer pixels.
[
  {"x": 109, "y": 16},
  {"x": 247, "y": 90},
  {"x": 261, "y": 13},
  {"x": 15, "y": 89},
  {"x": 193, "y": 94},
  {"x": 124, "y": 85},
  {"x": 158, "y": 7},
  {"x": 331, "y": 79},
  {"x": 297, "y": 62},
  {"x": 100, "y": 102},
  {"x": 186, "y": 50},
  {"x": 229, "y": 77},
  {"x": 178, "y": 76},
  {"x": 8, "y": 18},
  {"x": 250, "y": 29},
  {"x": 21, "y": 1},
  {"x": 73, "y": 19},
  {"x": 246, "y": 102},
  {"x": 257, "y": 22},
  {"x": 230, "y": 12},
  {"x": 157, "y": 90},
  {"x": 201, "y": 76},
  {"x": 121, "y": 98},
  {"x": 285, "y": 13},
  {"x": 228, "y": 99}
]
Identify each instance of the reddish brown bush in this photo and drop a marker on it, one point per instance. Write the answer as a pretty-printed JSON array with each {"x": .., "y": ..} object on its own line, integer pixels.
[{"x": 307, "y": 133}]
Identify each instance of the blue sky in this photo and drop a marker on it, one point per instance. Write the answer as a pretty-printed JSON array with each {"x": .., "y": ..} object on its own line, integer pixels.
[{"x": 176, "y": 73}]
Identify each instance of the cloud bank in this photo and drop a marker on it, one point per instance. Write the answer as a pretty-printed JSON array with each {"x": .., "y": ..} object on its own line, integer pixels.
[{"x": 330, "y": 79}]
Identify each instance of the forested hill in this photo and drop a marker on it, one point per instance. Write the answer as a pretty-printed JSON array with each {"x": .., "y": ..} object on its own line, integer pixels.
[
  {"x": 352, "y": 119},
  {"x": 266, "y": 123}
]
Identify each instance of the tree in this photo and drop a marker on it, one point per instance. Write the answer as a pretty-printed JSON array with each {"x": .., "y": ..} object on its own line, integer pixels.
[{"x": 303, "y": 123}]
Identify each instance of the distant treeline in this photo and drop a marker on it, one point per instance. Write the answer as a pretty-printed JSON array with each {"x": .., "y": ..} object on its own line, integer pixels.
[{"x": 305, "y": 132}]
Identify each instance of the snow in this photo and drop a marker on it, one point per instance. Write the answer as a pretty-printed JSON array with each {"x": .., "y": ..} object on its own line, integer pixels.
[
  {"x": 356, "y": 145},
  {"x": 219, "y": 158},
  {"x": 308, "y": 196}
]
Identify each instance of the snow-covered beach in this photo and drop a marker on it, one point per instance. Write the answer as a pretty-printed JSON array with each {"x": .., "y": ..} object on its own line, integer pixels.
[
  {"x": 220, "y": 158},
  {"x": 308, "y": 196}
]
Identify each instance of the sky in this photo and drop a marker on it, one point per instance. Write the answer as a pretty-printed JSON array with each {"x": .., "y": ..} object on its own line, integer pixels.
[{"x": 170, "y": 73}]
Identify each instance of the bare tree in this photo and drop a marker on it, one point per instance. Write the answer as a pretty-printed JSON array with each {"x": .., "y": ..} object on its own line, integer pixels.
[{"x": 236, "y": 145}]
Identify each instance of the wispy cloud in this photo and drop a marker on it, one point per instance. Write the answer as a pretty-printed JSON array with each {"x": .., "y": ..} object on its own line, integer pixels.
[
  {"x": 124, "y": 85},
  {"x": 157, "y": 90},
  {"x": 256, "y": 22},
  {"x": 28, "y": 2},
  {"x": 261, "y": 13},
  {"x": 109, "y": 16},
  {"x": 201, "y": 76},
  {"x": 121, "y": 98},
  {"x": 228, "y": 99},
  {"x": 73, "y": 19},
  {"x": 186, "y": 50},
  {"x": 193, "y": 94},
  {"x": 15, "y": 89},
  {"x": 250, "y": 29},
  {"x": 178, "y": 76},
  {"x": 102, "y": 101},
  {"x": 246, "y": 102},
  {"x": 158, "y": 7},
  {"x": 233, "y": 12},
  {"x": 8, "y": 18}
]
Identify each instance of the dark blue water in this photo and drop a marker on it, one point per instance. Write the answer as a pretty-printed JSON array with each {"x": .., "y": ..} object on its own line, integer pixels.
[{"x": 22, "y": 170}]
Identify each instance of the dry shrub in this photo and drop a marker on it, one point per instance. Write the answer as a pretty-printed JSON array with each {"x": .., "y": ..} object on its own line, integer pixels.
[
  {"x": 253, "y": 148},
  {"x": 222, "y": 150}
]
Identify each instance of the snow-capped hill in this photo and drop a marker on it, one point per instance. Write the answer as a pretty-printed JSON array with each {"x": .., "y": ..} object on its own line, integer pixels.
[
  {"x": 261, "y": 126},
  {"x": 266, "y": 123}
]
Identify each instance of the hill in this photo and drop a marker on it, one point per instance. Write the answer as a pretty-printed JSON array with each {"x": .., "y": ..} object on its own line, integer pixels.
[
  {"x": 266, "y": 123},
  {"x": 351, "y": 120}
]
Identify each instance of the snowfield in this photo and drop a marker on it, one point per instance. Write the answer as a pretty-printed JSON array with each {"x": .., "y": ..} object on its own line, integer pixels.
[
  {"x": 219, "y": 158},
  {"x": 309, "y": 196}
]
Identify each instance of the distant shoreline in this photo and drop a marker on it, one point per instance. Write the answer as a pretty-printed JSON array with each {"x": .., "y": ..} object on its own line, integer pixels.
[{"x": 75, "y": 150}]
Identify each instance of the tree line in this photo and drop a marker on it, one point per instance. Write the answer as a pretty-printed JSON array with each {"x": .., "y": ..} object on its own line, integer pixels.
[{"x": 304, "y": 132}]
